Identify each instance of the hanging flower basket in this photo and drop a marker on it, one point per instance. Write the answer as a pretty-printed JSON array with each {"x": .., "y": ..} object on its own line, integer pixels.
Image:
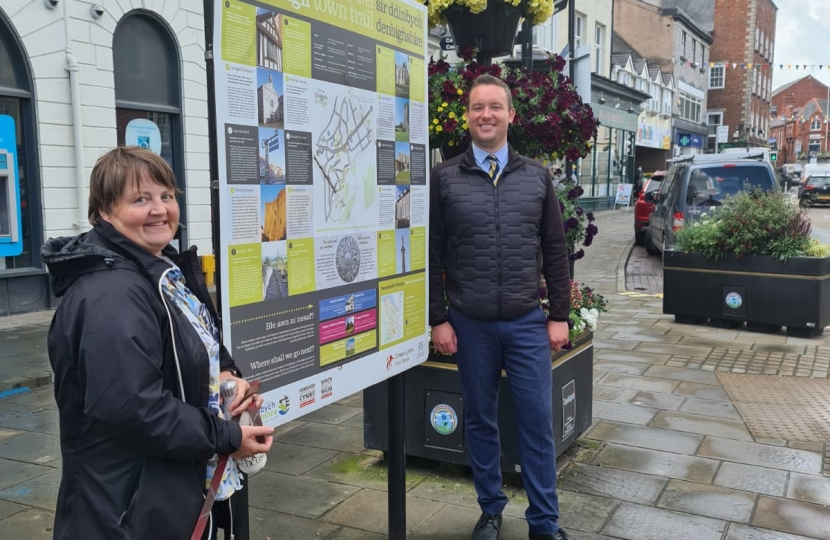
[{"x": 492, "y": 32}]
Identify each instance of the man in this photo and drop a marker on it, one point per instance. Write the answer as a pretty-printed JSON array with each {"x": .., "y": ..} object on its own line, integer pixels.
[{"x": 494, "y": 224}]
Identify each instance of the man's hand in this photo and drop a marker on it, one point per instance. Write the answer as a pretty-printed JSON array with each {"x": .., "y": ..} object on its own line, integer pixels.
[
  {"x": 557, "y": 334},
  {"x": 444, "y": 340},
  {"x": 238, "y": 406},
  {"x": 250, "y": 446}
]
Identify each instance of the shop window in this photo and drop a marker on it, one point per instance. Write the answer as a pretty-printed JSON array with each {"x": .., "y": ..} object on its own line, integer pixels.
[
  {"x": 16, "y": 101},
  {"x": 148, "y": 93}
]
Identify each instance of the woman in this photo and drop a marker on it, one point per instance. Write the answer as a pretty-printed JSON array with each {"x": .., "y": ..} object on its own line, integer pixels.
[{"x": 137, "y": 356}]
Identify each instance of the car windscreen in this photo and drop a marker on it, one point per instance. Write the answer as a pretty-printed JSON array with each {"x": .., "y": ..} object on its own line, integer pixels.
[
  {"x": 819, "y": 181},
  {"x": 711, "y": 185}
]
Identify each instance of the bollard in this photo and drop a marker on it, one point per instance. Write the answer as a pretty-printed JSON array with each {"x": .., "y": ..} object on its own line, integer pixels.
[{"x": 209, "y": 269}]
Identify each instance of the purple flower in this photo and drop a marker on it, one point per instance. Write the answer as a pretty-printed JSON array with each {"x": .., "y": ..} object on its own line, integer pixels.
[
  {"x": 590, "y": 216},
  {"x": 591, "y": 230},
  {"x": 571, "y": 223},
  {"x": 578, "y": 209}
]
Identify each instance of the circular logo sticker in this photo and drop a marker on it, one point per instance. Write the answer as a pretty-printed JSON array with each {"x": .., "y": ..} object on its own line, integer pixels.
[
  {"x": 443, "y": 419},
  {"x": 734, "y": 300}
]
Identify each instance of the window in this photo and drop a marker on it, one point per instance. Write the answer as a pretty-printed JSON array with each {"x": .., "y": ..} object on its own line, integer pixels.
[
  {"x": 148, "y": 93},
  {"x": 683, "y": 44},
  {"x": 654, "y": 102},
  {"x": 714, "y": 120},
  {"x": 815, "y": 125},
  {"x": 754, "y": 82},
  {"x": 599, "y": 41},
  {"x": 623, "y": 77},
  {"x": 694, "y": 50},
  {"x": 667, "y": 101},
  {"x": 690, "y": 107},
  {"x": 16, "y": 101},
  {"x": 579, "y": 30},
  {"x": 717, "y": 76},
  {"x": 757, "y": 37}
]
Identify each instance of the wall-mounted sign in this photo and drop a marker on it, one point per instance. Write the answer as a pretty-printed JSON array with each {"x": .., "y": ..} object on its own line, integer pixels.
[
  {"x": 11, "y": 239},
  {"x": 144, "y": 133}
]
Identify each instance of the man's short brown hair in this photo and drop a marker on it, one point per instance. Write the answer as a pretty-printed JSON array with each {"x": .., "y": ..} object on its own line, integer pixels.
[
  {"x": 495, "y": 81},
  {"x": 120, "y": 169}
]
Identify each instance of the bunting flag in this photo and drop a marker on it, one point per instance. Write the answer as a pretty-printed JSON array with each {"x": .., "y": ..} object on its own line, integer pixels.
[{"x": 759, "y": 65}]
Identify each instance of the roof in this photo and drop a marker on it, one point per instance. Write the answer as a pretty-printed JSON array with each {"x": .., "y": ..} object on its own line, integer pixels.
[
  {"x": 788, "y": 85},
  {"x": 702, "y": 12}
]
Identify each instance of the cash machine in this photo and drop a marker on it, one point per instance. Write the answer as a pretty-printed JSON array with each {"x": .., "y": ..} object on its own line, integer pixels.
[{"x": 11, "y": 235}]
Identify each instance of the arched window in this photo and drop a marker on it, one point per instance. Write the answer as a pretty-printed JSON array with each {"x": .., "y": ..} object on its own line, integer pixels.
[
  {"x": 16, "y": 100},
  {"x": 148, "y": 93}
]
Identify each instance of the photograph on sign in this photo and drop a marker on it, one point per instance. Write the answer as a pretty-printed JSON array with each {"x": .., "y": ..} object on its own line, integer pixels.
[{"x": 321, "y": 122}]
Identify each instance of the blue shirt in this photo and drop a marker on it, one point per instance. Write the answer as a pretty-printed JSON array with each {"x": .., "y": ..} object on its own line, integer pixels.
[{"x": 481, "y": 157}]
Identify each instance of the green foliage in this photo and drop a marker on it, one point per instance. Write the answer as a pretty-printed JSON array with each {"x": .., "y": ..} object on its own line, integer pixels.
[
  {"x": 750, "y": 223},
  {"x": 817, "y": 249}
]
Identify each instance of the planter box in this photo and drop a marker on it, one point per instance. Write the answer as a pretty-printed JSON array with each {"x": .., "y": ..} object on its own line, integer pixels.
[
  {"x": 434, "y": 388},
  {"x": 757, "y": 290}
]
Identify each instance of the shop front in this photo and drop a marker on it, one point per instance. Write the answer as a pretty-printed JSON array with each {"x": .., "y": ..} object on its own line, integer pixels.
[
  {"x": 688, "y": 138},
  {"x": 653, "y": 143}
]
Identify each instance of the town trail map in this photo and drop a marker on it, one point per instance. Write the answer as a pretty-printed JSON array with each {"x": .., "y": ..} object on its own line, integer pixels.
[{"x": 322, "y": 138}]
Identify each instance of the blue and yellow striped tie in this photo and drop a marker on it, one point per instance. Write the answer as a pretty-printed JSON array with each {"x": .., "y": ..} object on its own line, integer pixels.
[{"x": 494, "y": 168}]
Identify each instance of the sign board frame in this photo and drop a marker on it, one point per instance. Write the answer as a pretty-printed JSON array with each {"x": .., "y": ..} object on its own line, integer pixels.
[{"x": 623, "y": 196}]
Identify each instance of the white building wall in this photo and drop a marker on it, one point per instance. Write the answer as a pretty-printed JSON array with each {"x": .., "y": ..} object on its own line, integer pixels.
[
  {"x": 42, "y": 33},
  {"x": 595, "y": 11}
]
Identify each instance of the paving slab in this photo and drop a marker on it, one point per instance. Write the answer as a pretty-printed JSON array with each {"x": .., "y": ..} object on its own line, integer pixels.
[
  {"x": 762, "y": 455},
  {"x": 609, "y": 393},
  {"x": 751, "y": 478},
  {"x": 355, "y": 421},
  {"x": 9, "y": 509},
  {"x": 584, "y": 512},
  {"x": 268, "y": 524},
  {"x": 655, "y": 463},
  {"x": 697, "y": 331},
  {"x": 347, "y": 533},
  {"x": 808, "y": 488},
  {"x": 634, "y": 357},
  {"x": 367, "y": 471},
  {"x": 645, "y": 337},
  {"x": 698, "y": 341},
  {"x": 614, "y": 345},
  {"x": 6, "y": 433},
  {"x": 702, "y": 391},
  {"x": 793, "y": 517},
  {"x": 615, "y": 483},
  {"x": 297, "y": 495},
  {"x": 779, "y": 347},
  {"x": 703, "y": 425},
  {"x": 645, "y": 437},
  {"x": 658, "y": 400},
  {"x": 611, "y": 366},
  {"x": 636, "y": 329},
  {"x": 453, "y": 522},
  {"x": 707, "y": 500},
  {"x": 747, "y": 532},
  {"x": 330, "y": 437},
  {"x": 294, "y": 459},
  {"x": 708, "y": 407},
  {"x": 621, "y": 412},
  {"x": 334, "y": 413},
  {"x": 367, "y": 510},
  {"x": 674, "y": 350},
  {"x": 40, "y": 492},
  {"x": 682, "y": 374},
  {"x": 28, "y": 418},
  {"x": 37, "y": 448},
  {"x": 635, "y": 522},
  {"x": 15, "y": 472},
  {"x": 37, "y": 397},
  {"x": 640, "y": 383},
  {"x": 29, "y": 525}
]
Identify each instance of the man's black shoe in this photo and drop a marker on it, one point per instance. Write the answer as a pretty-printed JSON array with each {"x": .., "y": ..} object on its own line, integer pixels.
[
  {"x": 558, "y": 535},
  {"x": 488, "y": 527}
]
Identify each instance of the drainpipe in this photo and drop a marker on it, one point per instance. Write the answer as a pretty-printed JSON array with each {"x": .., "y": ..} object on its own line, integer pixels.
[{"x": 72, "y": 67}]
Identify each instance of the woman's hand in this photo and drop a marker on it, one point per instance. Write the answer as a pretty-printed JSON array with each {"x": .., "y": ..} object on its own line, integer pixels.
[
  {"x": 250, "y": 445},
  {"x": 238, "y": 405}
]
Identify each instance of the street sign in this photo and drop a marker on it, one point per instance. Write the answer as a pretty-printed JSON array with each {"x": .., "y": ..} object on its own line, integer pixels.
[
  {"x": 447, "y": 44},
  {"x": 723, "y": 134},
  {"x": 559, "y": 5}
]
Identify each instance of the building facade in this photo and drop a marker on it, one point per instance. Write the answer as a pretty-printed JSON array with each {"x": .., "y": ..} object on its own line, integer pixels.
[
  {"x": 785, "y": 99},
  {"x": 804, "y": 134},
  {"x": 669, "y": 37},
  {"x": 740, "y": 76},
  {"x": 77, "y": 83}
]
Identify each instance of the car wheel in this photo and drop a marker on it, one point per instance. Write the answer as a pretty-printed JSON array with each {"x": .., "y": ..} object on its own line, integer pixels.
[
  {"x": 650, "y": 249},
  {"x": 640, "y": 237}
]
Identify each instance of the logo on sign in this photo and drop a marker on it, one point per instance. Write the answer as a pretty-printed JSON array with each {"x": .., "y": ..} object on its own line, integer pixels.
[
  {"x": 283, "y": 405},
  {"x": 308, "y": 395},
  {"x": 734, "y": 300},
  {"x": 443, "y": 418},
  {"x": 389, "y": 362},
  {"x": 326, "y": 388}
]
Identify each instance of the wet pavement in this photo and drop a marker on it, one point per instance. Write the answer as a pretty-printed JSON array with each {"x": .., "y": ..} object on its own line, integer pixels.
[{"x": 681, "y": 447}]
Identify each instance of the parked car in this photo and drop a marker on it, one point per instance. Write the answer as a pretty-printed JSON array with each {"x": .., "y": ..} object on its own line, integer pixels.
[
  {"x": 643, "y": 209},
  {"x": 791, "y": 174},
  {"x": 697, "y": 185},
  {"x": 815, "y": 190},
  {"x": 814, "y": 169}
]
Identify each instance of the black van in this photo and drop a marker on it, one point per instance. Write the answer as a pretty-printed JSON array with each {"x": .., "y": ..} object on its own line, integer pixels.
[{"x": 695, "y": 185}]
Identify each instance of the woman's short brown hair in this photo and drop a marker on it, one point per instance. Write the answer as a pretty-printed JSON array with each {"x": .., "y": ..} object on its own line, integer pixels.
[{"x": 119, "y": 169}]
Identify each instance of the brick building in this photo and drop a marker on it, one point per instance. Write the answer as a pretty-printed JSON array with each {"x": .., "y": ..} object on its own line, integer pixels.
[
  {"x": 121, "y": 76},
  {"x": 740, "y": 79},
  {"x": 787, "y": 98},
  {"x": 803, "y": 133}
]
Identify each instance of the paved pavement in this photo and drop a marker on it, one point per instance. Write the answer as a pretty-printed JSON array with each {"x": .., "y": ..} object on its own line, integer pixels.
[{"x": 699, "y": 434}]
